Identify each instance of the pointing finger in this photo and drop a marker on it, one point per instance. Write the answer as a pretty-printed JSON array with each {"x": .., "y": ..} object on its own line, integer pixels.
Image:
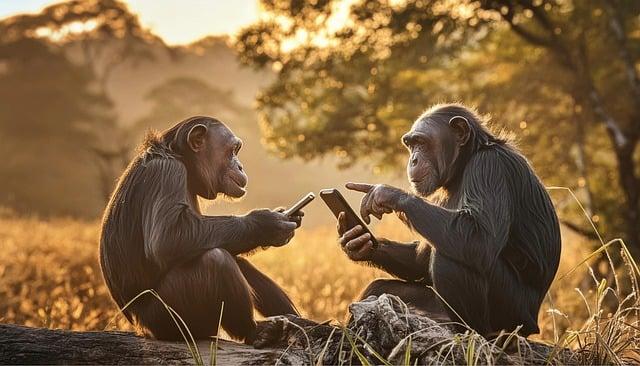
[{"x": 360, "y": 187}]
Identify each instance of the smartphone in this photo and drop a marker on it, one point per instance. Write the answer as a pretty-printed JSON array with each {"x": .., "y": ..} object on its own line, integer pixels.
[
  {"x": 336, "y": 203},
  {"x": 300, "y": 204}
]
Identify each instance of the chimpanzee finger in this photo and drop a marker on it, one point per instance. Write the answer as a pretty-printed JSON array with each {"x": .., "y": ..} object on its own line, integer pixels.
[
  {"x": 364, "y": 249},
  {"x": 352, "y": 233},
  {"x": 297, "y": 219},
  {"x": 360, "y": 187},
  {"x": 355, "y": 244},
  {"x": 289, "y": 237},
  {"x": 376, "y": 210},
  {"x": 288, "y": 225},
  {"x": 296, "y": 215},
  {"x": 365, "y": 208},
  {"x": 342, "y": 223}
]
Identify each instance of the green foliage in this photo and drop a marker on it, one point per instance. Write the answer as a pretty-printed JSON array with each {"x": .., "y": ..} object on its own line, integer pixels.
[{"x": 556, "y": 73}]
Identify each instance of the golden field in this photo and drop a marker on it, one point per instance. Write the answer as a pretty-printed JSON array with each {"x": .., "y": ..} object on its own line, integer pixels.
[{"x": 50, "y": 275}]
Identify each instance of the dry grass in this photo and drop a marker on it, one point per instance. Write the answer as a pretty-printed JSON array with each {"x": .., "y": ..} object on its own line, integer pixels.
[{"x": 49, "y": 276}]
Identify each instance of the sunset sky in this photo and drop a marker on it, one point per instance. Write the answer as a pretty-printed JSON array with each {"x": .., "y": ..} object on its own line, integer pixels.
[{"x": 177, "y": 22}]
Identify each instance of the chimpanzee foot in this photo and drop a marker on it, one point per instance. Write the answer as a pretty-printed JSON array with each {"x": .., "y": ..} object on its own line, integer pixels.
[
  {"x": 270, "y": 332},
  {"x": 277, "y": 331}
]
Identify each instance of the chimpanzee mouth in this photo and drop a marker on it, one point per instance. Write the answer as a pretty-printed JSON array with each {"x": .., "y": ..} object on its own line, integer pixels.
[{"x": 240, "y": 184}]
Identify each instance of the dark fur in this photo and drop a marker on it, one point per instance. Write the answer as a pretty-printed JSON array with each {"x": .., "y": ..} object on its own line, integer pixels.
[
  {"x": 154, "y": 237},
  {"x": 493, "y": 242}
]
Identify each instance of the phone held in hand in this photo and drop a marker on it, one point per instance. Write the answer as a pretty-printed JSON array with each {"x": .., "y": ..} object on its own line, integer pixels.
[
  {"x": 300, "y": 204},
  {"x": 336, "y": 203}
]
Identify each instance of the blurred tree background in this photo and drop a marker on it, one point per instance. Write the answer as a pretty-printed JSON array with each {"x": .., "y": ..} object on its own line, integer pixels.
[
  {"x": 80, "y": 83},
  {"x": 562, "y": 74},
  {"x": 59, "y": 116},
  {"x": 337, "y": 84},
  {"x": 320, "y": 91}
]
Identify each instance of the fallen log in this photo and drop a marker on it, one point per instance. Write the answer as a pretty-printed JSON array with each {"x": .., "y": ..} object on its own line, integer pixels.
[{"x": 381, "y": 330}]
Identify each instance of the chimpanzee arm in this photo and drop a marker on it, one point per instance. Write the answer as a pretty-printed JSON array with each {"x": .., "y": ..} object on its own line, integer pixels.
[
  {"x": 400, "y": 260},
  {"x": 173, "y": 231},
  {"x": 476, "y": 233}
]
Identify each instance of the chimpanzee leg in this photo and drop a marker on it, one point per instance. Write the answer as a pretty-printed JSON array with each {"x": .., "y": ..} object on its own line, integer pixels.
[
  {"x": 416, "y": 295},
  {"x": 196, "y": 290},
  {"x": 512, "y": 302},
  {"x": 465, "y": 290},
  {"x": 269, "y": 298}
]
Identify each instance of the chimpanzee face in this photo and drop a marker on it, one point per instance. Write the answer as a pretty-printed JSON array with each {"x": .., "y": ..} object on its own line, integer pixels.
[
  {"x": 216, "y": 158},
  {"x": 433, "y": 148}
]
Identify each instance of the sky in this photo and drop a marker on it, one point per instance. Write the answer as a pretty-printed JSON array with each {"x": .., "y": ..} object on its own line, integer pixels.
[{"x": 177, "y": 22}]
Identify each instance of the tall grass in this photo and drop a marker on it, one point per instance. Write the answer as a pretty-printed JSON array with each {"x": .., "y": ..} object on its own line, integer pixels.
[{"x": 49, "y": 276}]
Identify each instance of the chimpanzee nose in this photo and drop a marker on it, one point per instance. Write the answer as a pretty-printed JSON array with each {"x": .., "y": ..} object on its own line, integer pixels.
[
  {"x": 240, "y": 166},
  {"x": 414, "y": 161}
]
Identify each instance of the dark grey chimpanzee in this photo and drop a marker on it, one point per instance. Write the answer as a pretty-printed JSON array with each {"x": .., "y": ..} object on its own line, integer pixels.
[
  {"x": 493, "y": 241},
  {"x": 155, "y": 237}
]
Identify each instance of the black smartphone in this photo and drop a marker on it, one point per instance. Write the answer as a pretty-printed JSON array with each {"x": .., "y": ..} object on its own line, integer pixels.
[
  {"x": 300, "y": 204},
  {"x": 336, "y": 203}
]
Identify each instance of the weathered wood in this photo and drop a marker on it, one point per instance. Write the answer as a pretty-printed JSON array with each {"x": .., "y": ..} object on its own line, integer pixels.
[
  {"x": 23, "y": 345},
  {"x": 379, "y": 327}
]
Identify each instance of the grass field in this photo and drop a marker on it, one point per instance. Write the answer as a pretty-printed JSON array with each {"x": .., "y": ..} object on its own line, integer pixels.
[{"x": 50, "y": 276}]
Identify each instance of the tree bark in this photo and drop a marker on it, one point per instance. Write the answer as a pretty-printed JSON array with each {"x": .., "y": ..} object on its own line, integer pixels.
[
  {"x": 382, "y": 327},
  {"x": 23, "y": 345},
  {"x": 631, "y": 191}
]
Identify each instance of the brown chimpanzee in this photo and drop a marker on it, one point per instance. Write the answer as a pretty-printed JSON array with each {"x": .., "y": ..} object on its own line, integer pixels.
[
  {"x": 493, "y": 240},
  {"x": 155, "y": 237}
]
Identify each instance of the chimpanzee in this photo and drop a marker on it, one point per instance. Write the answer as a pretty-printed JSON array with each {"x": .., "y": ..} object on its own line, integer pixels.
[
  {"x": 492, "y": 241},
  {"x": 154, "y": 236}
]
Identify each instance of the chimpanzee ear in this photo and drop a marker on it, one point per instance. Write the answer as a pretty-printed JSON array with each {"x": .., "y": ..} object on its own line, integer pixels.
[
  {"x": 461, "y": 129},
  {"x": 197, "y": 137}
]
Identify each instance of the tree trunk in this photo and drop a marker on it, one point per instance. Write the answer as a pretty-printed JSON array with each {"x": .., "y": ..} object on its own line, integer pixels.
[
  {"x": 380, "y": 327},
  {"x": 630, "y": 185}
]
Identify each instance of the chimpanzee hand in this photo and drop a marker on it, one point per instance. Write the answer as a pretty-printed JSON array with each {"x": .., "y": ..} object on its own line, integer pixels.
[
  {"x": 295, "y": 217},
  {"x": 273, "y": 228},
  {"x": 355, "y": 242},
  {"x": 379, "y": 199}
]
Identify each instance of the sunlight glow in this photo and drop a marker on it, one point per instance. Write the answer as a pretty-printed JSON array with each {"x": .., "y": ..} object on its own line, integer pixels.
[
  {"x": 176, "y": 22},
  {"x": 190, "y": 20}
]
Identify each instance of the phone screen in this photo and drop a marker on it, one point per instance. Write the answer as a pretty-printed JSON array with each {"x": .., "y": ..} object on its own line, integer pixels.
[{"x": 336, "y": 203}]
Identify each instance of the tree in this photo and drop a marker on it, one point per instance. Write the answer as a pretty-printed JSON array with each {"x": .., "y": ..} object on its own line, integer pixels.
[
  {"x": 43, "y": 99},
  {"x": 98, "y": 36},
  {"x": 564, "y": 73},
  {"x": 182, "y": 97}
]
